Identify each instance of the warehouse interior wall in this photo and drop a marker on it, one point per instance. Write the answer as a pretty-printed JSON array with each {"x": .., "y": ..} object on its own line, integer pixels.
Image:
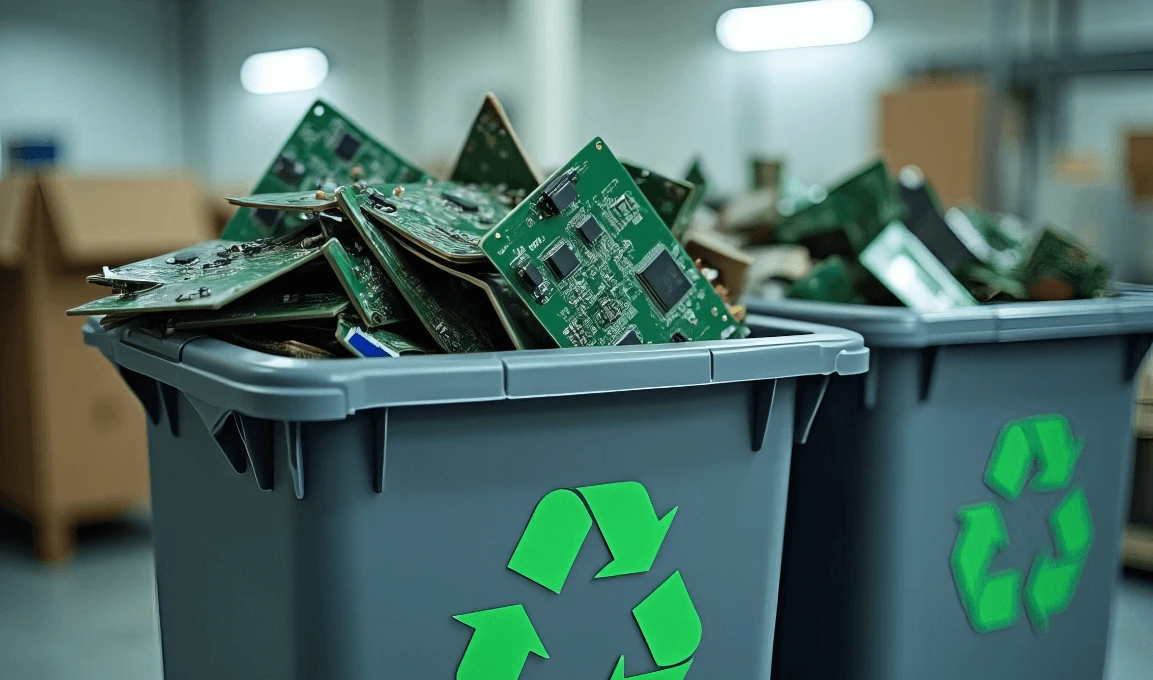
[
  {"x": 111, "y": 98},
  {"x": 160, "y": 88}
]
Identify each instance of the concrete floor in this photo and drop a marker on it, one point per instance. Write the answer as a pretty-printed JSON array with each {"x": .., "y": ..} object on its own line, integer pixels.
[{"x": 95, "y": 618}]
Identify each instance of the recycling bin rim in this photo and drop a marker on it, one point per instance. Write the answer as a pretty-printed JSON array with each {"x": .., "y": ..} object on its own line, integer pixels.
[
  {"x": 1129, "y": 312},
  {"x": 222, "y": 378}
]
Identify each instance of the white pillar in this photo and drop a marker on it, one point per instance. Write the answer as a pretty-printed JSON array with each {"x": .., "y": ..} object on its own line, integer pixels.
[{"x": 548, "y": 32}]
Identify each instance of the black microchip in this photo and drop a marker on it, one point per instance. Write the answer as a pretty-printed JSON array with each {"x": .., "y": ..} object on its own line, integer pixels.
[
  {"x": 289, "y": 170},
  {"x": 678, "y": 337},
  {"x": 531, "y": 276},
  {"x": 664, "y": 281},
  {"x": 347, "y": 147},
  {"x": 630, "y": 339},
  {"x": 559, "y": 196},
  {"x": 590, "y": 229},
  {"x": 266, "y": 216},
  {"x": 562, "y": 262}
]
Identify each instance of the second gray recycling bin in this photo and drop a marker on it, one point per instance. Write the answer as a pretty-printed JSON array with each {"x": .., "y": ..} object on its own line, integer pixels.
[
  {"x": 427, "y": 517},
  {"x": 956, "y": 512}
]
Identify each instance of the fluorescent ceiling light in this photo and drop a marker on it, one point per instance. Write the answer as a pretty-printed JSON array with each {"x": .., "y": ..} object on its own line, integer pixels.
[
  {"x": 302, "y": 68},
  {"x": 796, "y": 24}
]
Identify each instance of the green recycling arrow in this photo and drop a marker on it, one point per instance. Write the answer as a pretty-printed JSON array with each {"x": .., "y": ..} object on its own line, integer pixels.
[
  {"x": 1044, "y": 442},
  {"x": 990, "y": 600},
  {"x": 1052, "y": 581},
  {"x": 1057, "y": 451},
  {"x": 501, "y": 642},
  {"x": 545, "y": 555},
  {"x": 560, "y": 523},
  {"x": 629, "y": 523},
  {"x": 549, "y": 545}
]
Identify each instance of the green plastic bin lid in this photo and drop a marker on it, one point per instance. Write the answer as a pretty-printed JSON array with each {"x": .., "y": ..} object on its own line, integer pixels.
[
  {"x": 220, "y": 377},
  {"x": 1129, "y": 312}
]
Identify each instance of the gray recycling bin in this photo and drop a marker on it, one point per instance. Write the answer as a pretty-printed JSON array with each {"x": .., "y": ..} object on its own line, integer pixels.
[
  {"x": 568, "y": 514},
  {"x": 957, "y": 511}
]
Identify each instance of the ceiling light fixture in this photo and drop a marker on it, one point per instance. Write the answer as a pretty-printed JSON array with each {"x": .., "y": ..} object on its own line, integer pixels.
[
  {"x": 814, "y": 23},
  {"x": 292, "y": 70}
]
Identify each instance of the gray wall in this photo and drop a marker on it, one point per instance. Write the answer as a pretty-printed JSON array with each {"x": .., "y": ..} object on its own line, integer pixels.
[
  {"x": 100, "y": 75},
  {"x": 108, "y": 76}
]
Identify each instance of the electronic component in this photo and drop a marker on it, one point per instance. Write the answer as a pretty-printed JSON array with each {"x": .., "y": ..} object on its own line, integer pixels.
[
  {"x": 664, "y": 281},
  {"x": 289, "y": 170},
  {"x": 562, "y": 262},
  {"x": 678, "y": 337},
  {"x": 610, "y": 310},
  {"x": 531, "y": 277},
  {"x": 605, "y": 295},
  {"x": 558, "y": 196},
  {"x": 319, "y": 155},
  {"x": 347, "y": 147},
  {"x": 444, "y": 218},
  {"x": 590, "y": 230},
  {"x": 674, "y": 200},
  {"x": 630, "y": 338},
  {"x": 492, "y": 155}
]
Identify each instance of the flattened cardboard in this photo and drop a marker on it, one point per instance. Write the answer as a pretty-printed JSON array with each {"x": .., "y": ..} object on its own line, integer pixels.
[
  {"x": 16, "y": 193},
  {"x": 112, "y": 222}
]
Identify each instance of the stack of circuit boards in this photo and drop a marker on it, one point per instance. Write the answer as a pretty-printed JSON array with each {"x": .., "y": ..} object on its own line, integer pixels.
[
  {"x": 885, "y": 240},
  {"x": 348, "y": 249}
]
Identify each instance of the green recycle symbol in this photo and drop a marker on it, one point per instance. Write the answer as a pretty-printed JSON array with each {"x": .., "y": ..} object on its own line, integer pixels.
[
  {"x": 504, "y": 637},
  {"x": 1042, "y": 448}
]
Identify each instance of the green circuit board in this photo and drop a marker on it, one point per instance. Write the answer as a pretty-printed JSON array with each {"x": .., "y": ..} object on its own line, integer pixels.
[
  {"x": 296, "y": 201},
  {"x": 372, "y": 293},
  {"x": 523, "y": 329},
  {"x": 592, "y": 259},
  {"x": 676, "y": 201},
  {"x": 847, "y": 218},
  {"x": 208, "y": 275},
  {"x": 267, "y": 307},
  {"x": 446, "y": 306},
  {"x": 445, "y": 218},
  {"x": 325, "y": 151},
  {"x": 493, "y": 155}
]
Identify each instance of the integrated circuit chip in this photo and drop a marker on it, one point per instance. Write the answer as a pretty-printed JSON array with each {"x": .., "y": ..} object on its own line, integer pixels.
[
  {"x": 347, "y": 147},
  {"x": 289, "y": 170},
  {"x": 531, "y": 277},
  {"x": 590, "y": 230},
  {"x": 664, "y": 281},
  {"x": 559, "y": 196},
  {"x": 562, "y": 262}
]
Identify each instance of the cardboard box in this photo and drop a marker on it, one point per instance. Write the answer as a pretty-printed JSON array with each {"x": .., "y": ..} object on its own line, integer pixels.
[
  {"x": 72, "y": 448},
  {"x": 939, "y": 126},
  {"x": 1139, "y": 164}
]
